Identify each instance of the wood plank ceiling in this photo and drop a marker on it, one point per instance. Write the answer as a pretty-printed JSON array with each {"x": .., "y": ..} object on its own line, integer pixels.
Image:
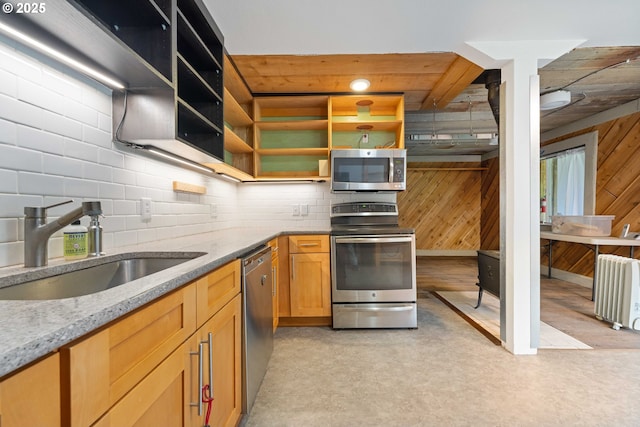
[
  {"x": 598, "y": 79},
  {"x": 423, "y": 78}
]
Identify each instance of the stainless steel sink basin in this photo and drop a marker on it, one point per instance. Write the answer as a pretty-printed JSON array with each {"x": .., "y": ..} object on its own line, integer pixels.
[{"x": 90, "y": 278}]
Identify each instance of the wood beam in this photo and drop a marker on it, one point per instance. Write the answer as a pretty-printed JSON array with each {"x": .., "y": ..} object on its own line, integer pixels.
[{"x": 460, "y": 74}]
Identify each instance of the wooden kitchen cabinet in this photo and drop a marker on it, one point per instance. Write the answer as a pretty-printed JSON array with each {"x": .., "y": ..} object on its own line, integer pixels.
[
  {"x": 31, "y": 396},
  {"x": 275, "y": 269},
  {"x": 189, "y": 108},
  {"x": 216, "y": 289},
  {"x": 142, "y": 369},
  {"x": 381, "y": 117},
  {"x": 101, "y": 369},
  {"x": 290, "y": 136},
  {"x": 238, "y": 133},
  {"x": 224, "y": 331},
  {"x": 159, "y": 398},
  {"x": 220, "y": 324},
  {"x": 309, "y": 276}
]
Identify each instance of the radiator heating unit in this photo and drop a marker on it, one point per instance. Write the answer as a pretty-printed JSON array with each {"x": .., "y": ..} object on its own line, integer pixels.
[{"x": 617, "y": 297}]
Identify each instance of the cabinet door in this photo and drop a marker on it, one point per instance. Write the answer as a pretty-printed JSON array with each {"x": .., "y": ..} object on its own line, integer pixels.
[
  {"x": 99, "y": 370},
  {"x": 216, "y": 289},
  {"x": 31, "y": 397},
  {"x": 222, "y": 334},
  {"x": 159, "y": 399},
  {"x": 310, "y": 284}
]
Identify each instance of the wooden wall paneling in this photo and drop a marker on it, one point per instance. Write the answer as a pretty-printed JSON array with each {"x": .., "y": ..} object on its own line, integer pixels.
[
  {"x": 617, "y": 190},
  {"x": 443, "y": 205},
  {"x": 609, "y": 135},
  {"x": 617, "y": 165},
  {"x": 490, "y": 205}
]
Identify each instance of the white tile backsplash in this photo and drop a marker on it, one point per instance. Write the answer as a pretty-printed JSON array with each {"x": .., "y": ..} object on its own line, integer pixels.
[
  {"x": 61, "y": 84},
  {"x": 8, "y": 84},
  {"x": 62, "y": 148},
  {"x": 61, "y": 125},
  {"x": 62, "y": 166},
  {"x": 19, "y": 64},
  {"x": 8, "y": 229},
  {"x": 8, "y": 131},
  {"x": 37, "y": 139},
  {"x": 15, "y": 158},
  {"x": 8, "y": 181},
  {"x": 39, "y": 96},
  {"x": 20, "y": 112},
  {"x": 37, "y": 183}
]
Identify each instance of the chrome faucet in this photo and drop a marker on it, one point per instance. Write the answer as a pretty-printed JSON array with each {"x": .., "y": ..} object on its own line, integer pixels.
[{"x": 37, "y": 231}]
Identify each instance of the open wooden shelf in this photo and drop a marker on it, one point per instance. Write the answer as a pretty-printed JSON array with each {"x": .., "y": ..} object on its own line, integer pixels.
[
  {"x": 234, "y": 114},
  {"x": 234, "y": 144}
]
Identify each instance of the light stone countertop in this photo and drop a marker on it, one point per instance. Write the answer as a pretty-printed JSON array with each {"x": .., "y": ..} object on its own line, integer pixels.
[{"x": 32, "y": 329}]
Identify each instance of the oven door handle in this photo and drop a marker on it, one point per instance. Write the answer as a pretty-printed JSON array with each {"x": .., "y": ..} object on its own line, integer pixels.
[
  {"x": 374, "y": 239},
  {"x": 377, "y": 308}
]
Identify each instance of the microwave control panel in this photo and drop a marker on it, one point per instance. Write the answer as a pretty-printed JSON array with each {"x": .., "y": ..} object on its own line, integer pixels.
[{"x": 398, "y": 170}]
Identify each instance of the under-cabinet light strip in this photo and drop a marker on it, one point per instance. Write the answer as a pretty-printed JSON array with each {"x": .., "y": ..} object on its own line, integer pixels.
[
  {"x": 47, "y": 50},
  {"x": 178, "y": 159}
]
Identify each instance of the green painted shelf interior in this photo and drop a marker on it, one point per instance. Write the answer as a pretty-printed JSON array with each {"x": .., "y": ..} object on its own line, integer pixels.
[
  {"x": 294, "y": 139},
  {"x": 353, "y": 139},
  {"x": 276, "y": 164}
]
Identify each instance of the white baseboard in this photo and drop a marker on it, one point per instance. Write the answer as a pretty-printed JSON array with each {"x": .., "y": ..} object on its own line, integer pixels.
[{"x": 578, "y": 279}]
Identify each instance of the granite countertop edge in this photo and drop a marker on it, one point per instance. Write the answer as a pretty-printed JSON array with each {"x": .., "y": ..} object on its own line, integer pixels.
[{"x": 33, "y": 329}]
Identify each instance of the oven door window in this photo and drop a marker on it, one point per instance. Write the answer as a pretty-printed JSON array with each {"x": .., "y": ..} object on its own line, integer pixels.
[
  {"x": 371, "y": 170},
  {"x": 373, "y": 263}
]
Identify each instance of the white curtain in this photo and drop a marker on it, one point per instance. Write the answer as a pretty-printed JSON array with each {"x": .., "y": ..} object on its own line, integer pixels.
[{"x": 570, "y": 185}]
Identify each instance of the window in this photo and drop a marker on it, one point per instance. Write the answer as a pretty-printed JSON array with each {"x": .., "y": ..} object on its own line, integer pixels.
[
  {"x": 562, "y": 182},
  {"x": 567, "y": 177}
]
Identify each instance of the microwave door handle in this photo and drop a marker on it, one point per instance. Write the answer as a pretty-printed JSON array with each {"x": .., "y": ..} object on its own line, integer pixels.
[{"x": 391, "y": 170}]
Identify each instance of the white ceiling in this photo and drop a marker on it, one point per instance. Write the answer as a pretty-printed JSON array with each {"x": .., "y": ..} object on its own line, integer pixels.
[{"x": 262, "y": 27}]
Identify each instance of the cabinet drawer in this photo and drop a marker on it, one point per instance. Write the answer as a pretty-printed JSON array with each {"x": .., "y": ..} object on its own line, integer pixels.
[
  {"x": 31, "y": 397},
  {"x": 101, "y": 369},
  {"x": 216, "y": 289},
  {"x": 311, "y": 243}
]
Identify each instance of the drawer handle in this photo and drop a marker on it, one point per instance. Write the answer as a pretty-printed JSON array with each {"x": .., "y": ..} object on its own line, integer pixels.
[
  {"x": 199, "y": 402},
  {"x": 306, "y": 245},
  {"x": 200, "y": 393}
]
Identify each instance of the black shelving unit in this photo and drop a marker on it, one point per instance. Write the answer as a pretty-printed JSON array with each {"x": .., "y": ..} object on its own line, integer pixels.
[
  {"x": 147, "y": 31},
  {"x": 200, "y": 79}
]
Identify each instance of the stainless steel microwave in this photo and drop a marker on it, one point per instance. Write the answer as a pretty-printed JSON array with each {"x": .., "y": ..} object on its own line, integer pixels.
[{"x": 368, "y": 170}]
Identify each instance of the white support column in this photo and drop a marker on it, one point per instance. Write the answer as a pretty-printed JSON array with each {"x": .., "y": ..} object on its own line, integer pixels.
[
  {"x": 519, "y": 185},
  {"x": 518, "y": 239}
]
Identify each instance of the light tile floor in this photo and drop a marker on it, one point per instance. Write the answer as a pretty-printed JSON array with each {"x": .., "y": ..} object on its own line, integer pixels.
[
  {"x": 445, "y": 373},
  {"x": 488, "y": 316}
]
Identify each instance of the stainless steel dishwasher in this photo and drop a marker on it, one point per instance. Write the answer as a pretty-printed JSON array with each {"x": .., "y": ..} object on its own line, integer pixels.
[{"x": 258, "y": 322}]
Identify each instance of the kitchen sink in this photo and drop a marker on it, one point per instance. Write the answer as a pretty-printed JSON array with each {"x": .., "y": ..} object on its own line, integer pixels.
[{"x": 91, "y": 276}]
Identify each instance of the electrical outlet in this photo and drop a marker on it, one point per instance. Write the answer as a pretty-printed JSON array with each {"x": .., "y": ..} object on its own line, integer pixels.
[
  {"x": 296, "y": 210},
  {"x": 214, "y": 210},
  {"x": 145, "y": 208},
  {"x": 365, "y": 138},
  {"x": 304, "y": 210}
]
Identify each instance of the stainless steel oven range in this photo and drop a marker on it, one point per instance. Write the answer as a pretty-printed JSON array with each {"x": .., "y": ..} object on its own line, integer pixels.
[{"x": 373, "y": 267}]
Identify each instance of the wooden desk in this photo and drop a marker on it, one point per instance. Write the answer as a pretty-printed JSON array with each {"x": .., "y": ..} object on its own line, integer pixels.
[{"x": 593, "y": 243}]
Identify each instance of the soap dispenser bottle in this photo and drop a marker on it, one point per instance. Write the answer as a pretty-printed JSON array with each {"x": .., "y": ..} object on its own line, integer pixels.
[
  {"x": 95, "y": 236},
  {"x": 75, "y": 241}
]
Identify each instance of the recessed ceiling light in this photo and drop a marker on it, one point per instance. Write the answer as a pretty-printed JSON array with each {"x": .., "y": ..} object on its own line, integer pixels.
[{"x": 360, "y": 84}]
